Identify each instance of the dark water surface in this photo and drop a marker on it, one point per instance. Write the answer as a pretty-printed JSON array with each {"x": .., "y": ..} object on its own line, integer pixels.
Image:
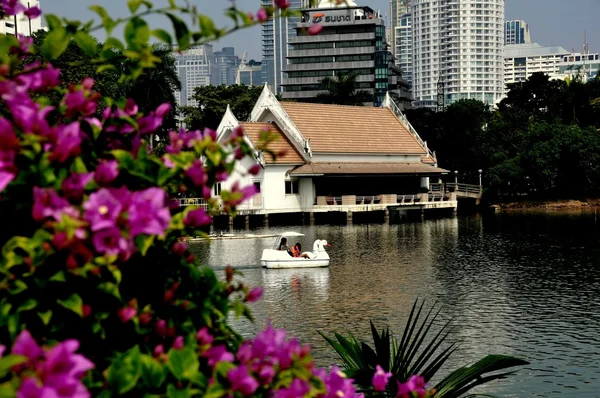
[{"x": 522, "y": 285}]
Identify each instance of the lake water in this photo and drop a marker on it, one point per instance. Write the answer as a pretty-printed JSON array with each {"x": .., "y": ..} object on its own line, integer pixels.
[{"x": 518, "y": 284}]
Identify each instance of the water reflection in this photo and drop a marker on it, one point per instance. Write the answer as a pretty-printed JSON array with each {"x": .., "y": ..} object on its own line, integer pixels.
[{"x": 525, "y": 285}]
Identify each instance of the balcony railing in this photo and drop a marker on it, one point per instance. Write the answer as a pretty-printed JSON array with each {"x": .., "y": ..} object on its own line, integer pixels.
[{"x": 383, "y": 199}]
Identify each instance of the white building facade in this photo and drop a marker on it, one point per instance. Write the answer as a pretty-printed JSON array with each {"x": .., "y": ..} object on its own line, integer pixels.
[
  {"x": 459, "y": 43},
  {"x": 333, "y": 165},
  {"x": 20, "y": 23},
  {"x": 401, "y": 39},
  {"x": 523, "y": 60}
]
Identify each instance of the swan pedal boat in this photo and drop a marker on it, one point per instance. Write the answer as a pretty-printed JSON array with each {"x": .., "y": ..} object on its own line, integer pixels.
[{"x": 273, "y": 258}]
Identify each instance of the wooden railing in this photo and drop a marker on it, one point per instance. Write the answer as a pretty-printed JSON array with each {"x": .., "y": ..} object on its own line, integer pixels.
[{"x": 255, "y": 203}]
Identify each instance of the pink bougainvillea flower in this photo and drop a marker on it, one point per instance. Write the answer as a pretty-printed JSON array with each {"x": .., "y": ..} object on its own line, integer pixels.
[
  {"x": 48, "y": 204},
  {"x": 106, "y": 172},
  {"x": 204, "y": 337},
  {"x": 254, "y": 169},
  {"x": 130, "y": 108},
  {"x": 73, "y": 186},
  {"x": 197, "y": 218},
  {"x": 262, "y": 15},
  {"x": 33, "y": 12},
  {"x": 126, "y": 314},
  {"x": 26, "y": 345},
  {"x": 217, "y": 354},
  {"x": 380, "y": 378},
  {"x": 297, "y": 388},
  {"x": 148, "y": 213},
  {"x": 39, "y": 79},
  {"x": 62, "y": 360},
  {"x": 68, "y": 142},
  {"x": 12, "y": 7},
  {"x": 102, "y": 209},
  {"x": 254, "y": 295},
  {"x": 178, "y": 343},
  {"x": 242, "y": 381},
  {"x": 315, "y": 29},
  {"x": 283, "y": 4},
  {"x": 112, "y": 242},
  {"x": 196, "y": 173}
]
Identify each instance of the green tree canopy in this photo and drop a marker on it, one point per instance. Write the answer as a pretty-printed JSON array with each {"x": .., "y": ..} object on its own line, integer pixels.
[
  {"x": 212, "y": 104},
  {"x": 342, "y": 91}
]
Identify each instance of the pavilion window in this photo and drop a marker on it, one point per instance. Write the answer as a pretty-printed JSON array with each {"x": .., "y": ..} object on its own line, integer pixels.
[
  {"x": 291, "y": 187},
  {"x": 217, "y": 189}
]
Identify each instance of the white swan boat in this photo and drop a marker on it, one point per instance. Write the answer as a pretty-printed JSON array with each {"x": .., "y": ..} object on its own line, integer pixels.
[{"x": 273, "y": 258}]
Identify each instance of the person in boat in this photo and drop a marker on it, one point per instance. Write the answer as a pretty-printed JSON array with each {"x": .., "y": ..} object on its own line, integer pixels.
[
  {"x": 283, "y": 244},
  {"x": 297, "y": 251}
]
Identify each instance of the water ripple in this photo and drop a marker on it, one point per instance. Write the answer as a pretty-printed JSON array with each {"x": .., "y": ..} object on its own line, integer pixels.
[{"x": 523, "y": 285}]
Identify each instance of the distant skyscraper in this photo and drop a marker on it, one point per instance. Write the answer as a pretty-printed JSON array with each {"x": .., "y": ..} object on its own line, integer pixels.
[
  {"x": 20, "y": 23},
  {"x": 275, "y": 33},
  {"x": 516, "y": 32},
  {"x": 250, "y": 74},
  {"x": 458, "y": 50},
  {"x": 401, "y": 36},
  {"x": 195, "y": 68},
  {"x": 226, "y": 65}
]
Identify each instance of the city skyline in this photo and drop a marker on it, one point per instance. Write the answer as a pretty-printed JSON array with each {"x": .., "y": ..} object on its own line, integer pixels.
[{"x": 544, "y": 26}]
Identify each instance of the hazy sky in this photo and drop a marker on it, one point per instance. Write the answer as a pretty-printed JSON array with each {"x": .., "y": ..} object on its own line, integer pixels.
[{"x": 551, "y": 22}]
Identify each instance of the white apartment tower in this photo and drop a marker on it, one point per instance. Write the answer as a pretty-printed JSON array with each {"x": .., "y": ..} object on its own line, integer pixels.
[
  {"x": 21, "y": 24},
  {"x": 458, "y": 50},
  {"x": 401, "y": 36}
]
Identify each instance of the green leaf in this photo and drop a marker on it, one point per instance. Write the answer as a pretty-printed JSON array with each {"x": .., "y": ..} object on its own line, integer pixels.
[
  {"x": 73, "y": 303},
  {"x": 207, "y": 26},
  {"x": 162, "y": 35},
  {"x": 54, "y": 22},
  {"x": 55, "y": 43},
  {"x": 27, "y": 305},
  {"x": 154, "y": 373},
  {"x": 8, "y": 390},
  {"x": 86, "y": 42},
  {"x": 45, "y": 316},
  {"x": 13, "y": 324},
  {"x": 79, "y": 165},
  {"x": 105, "y": 67},
  {"x": 183, "y": 363},
  {"x": 144, "y": 242},
  {"x": 107, "y": 21},
  {"x": 135, "y": 4},
  {"x": 110, "y": 288},
  {"x": 137, "y": 33},
  {"x": 125, "y": 371},
  {"x": 182, "y": 32},
  {"x": 59, "y": 277},
  {"x": 8, "y": 362},
  {"x": 173, "y": 392}
]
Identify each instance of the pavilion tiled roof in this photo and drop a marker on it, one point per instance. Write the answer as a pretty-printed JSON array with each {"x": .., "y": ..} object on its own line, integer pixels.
[
  {"x": 352, "y": 129},
  {"x": 339, "y": 168},
  {"x": 282, "y": 145}
]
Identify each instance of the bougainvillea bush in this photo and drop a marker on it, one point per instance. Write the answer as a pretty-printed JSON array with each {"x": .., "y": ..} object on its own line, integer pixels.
[{"x": 99, "y": 294}]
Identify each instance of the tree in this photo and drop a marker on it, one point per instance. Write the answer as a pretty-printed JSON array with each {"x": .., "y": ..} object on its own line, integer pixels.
[
  {"x": 342, "y": 91},
  {"x": 212, "y": 104},
  {"x": 155, "y": 87}
]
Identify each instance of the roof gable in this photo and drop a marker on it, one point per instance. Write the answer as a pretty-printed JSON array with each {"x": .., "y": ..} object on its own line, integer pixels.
[
  {"x": 352, "y": 129},
  {"x": 287, "y": 153}
]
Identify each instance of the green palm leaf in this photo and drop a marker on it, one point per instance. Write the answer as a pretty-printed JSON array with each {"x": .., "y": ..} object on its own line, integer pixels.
[{"x": 415, "y": 354}]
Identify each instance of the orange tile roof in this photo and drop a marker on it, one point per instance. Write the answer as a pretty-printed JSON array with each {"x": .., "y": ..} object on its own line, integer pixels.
[
  {"x": 352, "y": 129},
  {"x": 282, "y": 145},
  {"x": 367, "y": 168}
]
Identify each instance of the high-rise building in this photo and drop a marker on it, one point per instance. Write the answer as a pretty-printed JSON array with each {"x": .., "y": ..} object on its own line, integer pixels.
[
  {"x": 401, "y": 36},
  {"x": 516, "y": 32},
  {"x": 226, "y": 65},
  {"x": 195, "y": 68},
  {"x": 20, "y": 23},
  {"x": 275, "y": 33},
  {"x": 458, "y": 51},
  {"x": 249, "y": 74},
  {"x": 352, "y": 40}
]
